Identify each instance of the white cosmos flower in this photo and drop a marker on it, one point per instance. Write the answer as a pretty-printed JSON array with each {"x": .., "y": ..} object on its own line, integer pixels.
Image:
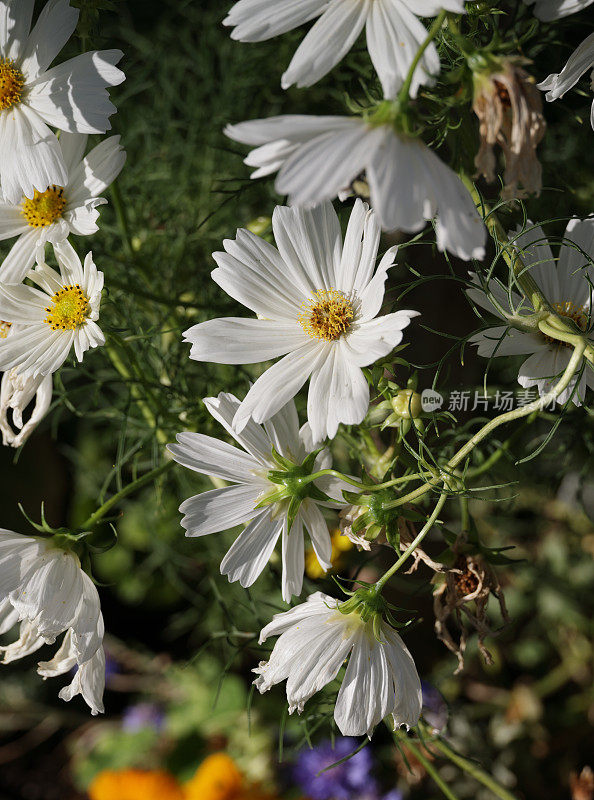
[
  {"x": 71, "y": 96},
  {"x": 315, "y": 639},
  {"x": 53, "y": 318},
  {"x": 579, "y": 62},
  {"x": 45, "y": 588},
  {"x": 16, "y": 392},
  {"x": 394, "y": 35},
  {"x": 566, "y": 283},
  {"x": 52, "y": 215},
  {"x": 317, "y": 304},
  {"x": 548, "y": 10},
  {"x": 247, "y": 472},
  {"x": 318, "y": 157}
]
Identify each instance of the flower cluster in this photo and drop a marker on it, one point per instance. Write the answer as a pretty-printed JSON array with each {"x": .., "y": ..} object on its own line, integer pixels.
[
  {"x": 49, "y": 189},
  {"x": 318, "y": 316}
]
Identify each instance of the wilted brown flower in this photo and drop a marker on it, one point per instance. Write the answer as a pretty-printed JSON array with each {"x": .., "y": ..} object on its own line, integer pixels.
[
  {"x": 467, "y": 585},
  {"x": 582, "y": 785},
  {"x": 509, "y": 108}
]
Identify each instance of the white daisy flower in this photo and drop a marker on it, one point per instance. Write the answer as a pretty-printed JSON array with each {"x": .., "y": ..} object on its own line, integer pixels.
[
  {"x": 251, "y": 474},
  {"x": 318, "y": 157},
  {"x": 52, "y": 215},
  {"x": 315, "y": 639},
  {"x": 53, "y": 318},
  {"x": 16, "y": 392},
  {"x": 71, "y": 96},
  {"x": 567, "y": 285},
  {"x": 394, "y": 35},
  {"x": 548, "y": 10},
  {"x": 579, "y": 62},
  {"x": 317, "y": 305},
  {"x": 45, "y": 588}
]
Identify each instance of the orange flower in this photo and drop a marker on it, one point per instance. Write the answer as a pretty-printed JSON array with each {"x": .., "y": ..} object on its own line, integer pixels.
[
  {"x": 135, "y": 784},
  {"x": 217, "y": 778}
]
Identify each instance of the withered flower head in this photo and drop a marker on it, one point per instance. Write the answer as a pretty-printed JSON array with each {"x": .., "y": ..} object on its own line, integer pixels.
[
  {"x": 509, "y": 108},
  {"x": 582, "y": 785},
  {"x": 466, "y": 591}
]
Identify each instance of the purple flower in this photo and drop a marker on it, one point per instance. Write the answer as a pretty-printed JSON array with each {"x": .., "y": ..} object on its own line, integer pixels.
[
  {"x": 143, "y": 715},
  {"x": 351, "y": 780},
  {"x": 435, "y": 710}
]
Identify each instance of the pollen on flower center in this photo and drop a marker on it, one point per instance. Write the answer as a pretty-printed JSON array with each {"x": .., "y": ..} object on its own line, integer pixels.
[
  {"x": 327, "y": 315},
  {"x": 573, "y": 312},
  {"x": 70, "y": 309},
  {"x": 11, "y": 84},
  {"x": 4, "y": 328},
  {"x": 44, "y": 207}
]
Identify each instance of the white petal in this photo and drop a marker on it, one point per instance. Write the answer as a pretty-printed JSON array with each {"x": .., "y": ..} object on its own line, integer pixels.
[
  {"x": 394, "y": 35},
  {"x": 219, "y": 509},
  {"x": 279, "y": 384},
  {"x": 257, "y": 20},
  {"x": 409, "y": 698},
  {"x": 250, "y": 552},
  {"x": 317, "y": 528},
  {"x": 252, "y": 438},
  {"x": 91, "y": 177},
  {"x": 236, "y": 340},
  {"x": 89, "y": 682},
  {"x": 310, "y": 242},
  {"x": 213, "y": 457},
  {"x": 293, "y": 560},
  {"x": 321, "y": 167},
  {"x": 54, "y": 26},
  {"x": 35, "y": 160},
  {"x": 73, "y": 96},
  {"x": 327, "y": 42},
  {"x": 359, "y": 253},
  {"x": 21, "y": 257}
]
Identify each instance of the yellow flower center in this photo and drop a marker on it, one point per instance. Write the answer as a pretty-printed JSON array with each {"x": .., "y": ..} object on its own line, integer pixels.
[
  {"x": 70, "y": 309},
  {"x": 44, "y": 207},
  {"x": 4, "y": 328},
  {"x": 576, "y": 313},
  {"x": 327, "y": 315},
  {"x": 11, "y": 84}
]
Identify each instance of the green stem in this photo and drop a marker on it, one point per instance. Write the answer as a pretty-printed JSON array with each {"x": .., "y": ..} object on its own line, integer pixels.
[
  {"x": 403, "y": 94},
  {"x": 509, "y": 416},
  {"x": 122, "y": 217},
  {"x": 429, "y": 768},
  {"x": 511, "y": 258},
  {"x": 129, "y": 489},
  {"x": 414, "y": 544},
  {"x": 502, "y": 450},
  {"x": 136, "y": 392},
  {"x": 473, "y": 770}
]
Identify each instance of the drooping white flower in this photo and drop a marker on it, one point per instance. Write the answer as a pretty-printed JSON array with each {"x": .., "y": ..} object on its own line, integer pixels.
[
  {"x": 315, "y": 638},
  {"x": 16, "y": 392},
  {"x": 45, "y": 588},
  {"x": 548, "y": 10},
  {"x": 317, "y": 304},
  {"x": 579, "y": 62},
  {"x": 71, "y": 96},
  {"x": 52, "y": 215},
  {"x": 318, "y": 157},
  {"x": 53, "y": 318},
  {"x": 394, "y": 35},
  {"x": 248, "y": 473},
  {"x": 566, "y": 283}
]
